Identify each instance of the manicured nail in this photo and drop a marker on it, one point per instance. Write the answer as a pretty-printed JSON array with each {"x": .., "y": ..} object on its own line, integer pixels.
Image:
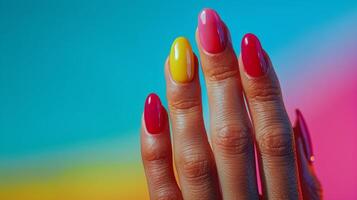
[
  {"x": 212, "y": 32},
  {"x": 182, "y": 62},
  {"x": 154, "y": 114},
  {"x": 253, "y": 56},
  {"x": 301, "y": 127}
]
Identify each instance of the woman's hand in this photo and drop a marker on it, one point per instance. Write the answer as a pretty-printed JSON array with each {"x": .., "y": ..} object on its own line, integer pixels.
[{"x": 246, "y": 113}]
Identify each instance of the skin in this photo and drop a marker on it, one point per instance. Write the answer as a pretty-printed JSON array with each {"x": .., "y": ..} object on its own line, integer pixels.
[{"x": 225, "y": 167}]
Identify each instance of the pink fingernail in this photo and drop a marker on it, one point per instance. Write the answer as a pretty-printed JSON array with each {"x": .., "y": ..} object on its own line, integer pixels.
[
  {"x": 153, "y": 114},
  {"x": 300, "y": 126},
  {"x": 253, "y": 56},
  {"x": 212, "y": 32}
]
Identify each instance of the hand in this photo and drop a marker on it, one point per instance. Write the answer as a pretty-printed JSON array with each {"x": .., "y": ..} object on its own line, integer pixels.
[{"x": 226, "y": 168}]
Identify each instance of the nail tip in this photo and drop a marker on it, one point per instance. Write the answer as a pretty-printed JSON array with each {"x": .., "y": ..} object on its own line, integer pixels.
[
  {"x": 212, "y": 31},
  {"x": 202, "y": 16},
  {"x": 152, "y": 95},
  {"x": 305, "y": 134},
  {"x": 301, "y": 118},
  {"x": 182, "y": 65},
  {"x": 208, "y": 10},
  {"x": 297, "y": 112},
  {"x": 153, "y": 114},
  {"x": 250, "y": 37},
  {"x": 179, "y": 38},
  {"x": 253, "y": 56},
  {"x": 249, "y": 34},
  {"x": 297, "y": 116}
]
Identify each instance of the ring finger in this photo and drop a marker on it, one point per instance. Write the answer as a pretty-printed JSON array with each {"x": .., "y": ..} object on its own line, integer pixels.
[{"x": 273, "y": 131}]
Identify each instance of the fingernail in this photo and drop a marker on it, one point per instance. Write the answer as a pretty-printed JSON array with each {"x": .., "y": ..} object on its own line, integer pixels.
[
  {"x": 301, "y": 127},
  {"x": 212, "y": 32},
  {"x": 154, "y": 115},
  {"x": 182, "y": 62},
  {"x": 253, "y": 56}
]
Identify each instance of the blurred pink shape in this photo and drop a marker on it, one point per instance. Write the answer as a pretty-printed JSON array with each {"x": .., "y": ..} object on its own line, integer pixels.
[{"x": 327, "y": 97}]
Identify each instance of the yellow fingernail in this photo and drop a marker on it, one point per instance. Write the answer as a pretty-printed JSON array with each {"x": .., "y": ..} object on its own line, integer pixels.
[{"x": 182, "y": 61}]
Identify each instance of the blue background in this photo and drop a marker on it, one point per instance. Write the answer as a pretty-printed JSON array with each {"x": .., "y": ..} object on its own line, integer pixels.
[{"x": 76, "y": 71}]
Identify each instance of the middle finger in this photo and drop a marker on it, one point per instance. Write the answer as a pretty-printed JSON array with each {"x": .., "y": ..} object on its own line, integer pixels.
[{"x": 231, "y": 131}]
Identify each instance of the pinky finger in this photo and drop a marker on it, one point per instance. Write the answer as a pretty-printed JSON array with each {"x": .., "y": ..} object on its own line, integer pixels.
[
  {"x": 156, "y": 151},
  {"x": 310, "y": 185}
]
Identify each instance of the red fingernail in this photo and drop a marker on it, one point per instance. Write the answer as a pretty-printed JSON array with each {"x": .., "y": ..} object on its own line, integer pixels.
[
  {"x": 301, "y": 127},
  {"x": 154, "y": 114},
  {"x": 253, "y": 56},
  {"x": 212, "y": 32}
]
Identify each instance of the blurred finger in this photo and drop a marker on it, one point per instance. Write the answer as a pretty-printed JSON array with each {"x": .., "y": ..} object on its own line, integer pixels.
[{"x": 310, "y": 185}]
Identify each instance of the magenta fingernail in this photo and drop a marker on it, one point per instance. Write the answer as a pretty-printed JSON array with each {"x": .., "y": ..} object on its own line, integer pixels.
[{"x": 301, "y": 127}]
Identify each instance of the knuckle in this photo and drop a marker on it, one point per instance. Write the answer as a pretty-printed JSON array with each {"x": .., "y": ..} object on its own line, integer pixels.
[
  {"x": 233, "y": 140},
  {"x": 168, "y": 195},
  {"x": 196, "y": 168},
  {"x": 185, "y": 104},
  {"x": 153, "y": 155},
  {"x": 259, "y": 92},
  {"x": 222, "y": 70},
  {"x": 223, "y": 73},
  {"x": 276, "y": 142}
]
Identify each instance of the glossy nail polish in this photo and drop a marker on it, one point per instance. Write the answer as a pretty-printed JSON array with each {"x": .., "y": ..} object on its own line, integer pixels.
[
  {"x": 301, "y": 127},
  {"x": 253, "y": 58},
  {"x": 182, "y": 62},
  {"x": 154, "y": 114},
  {"x": 212, "y": 32}
]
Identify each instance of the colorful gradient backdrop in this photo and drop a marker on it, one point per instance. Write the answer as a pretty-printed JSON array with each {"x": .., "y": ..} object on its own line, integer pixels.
[{"x": 74, "y": 76}]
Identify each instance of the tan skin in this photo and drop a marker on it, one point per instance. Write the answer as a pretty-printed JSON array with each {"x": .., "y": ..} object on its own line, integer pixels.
[{"x": 225, "y": 167}]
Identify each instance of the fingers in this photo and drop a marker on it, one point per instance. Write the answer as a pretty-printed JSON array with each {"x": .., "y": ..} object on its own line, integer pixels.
[
  {"x": 193, "y": 156},
  {"x": 230, "y": 126},
  {"x": 310, "y": 185},
  {"x": 156, "y": 151},
  {"x": 272, "y": 127}
]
